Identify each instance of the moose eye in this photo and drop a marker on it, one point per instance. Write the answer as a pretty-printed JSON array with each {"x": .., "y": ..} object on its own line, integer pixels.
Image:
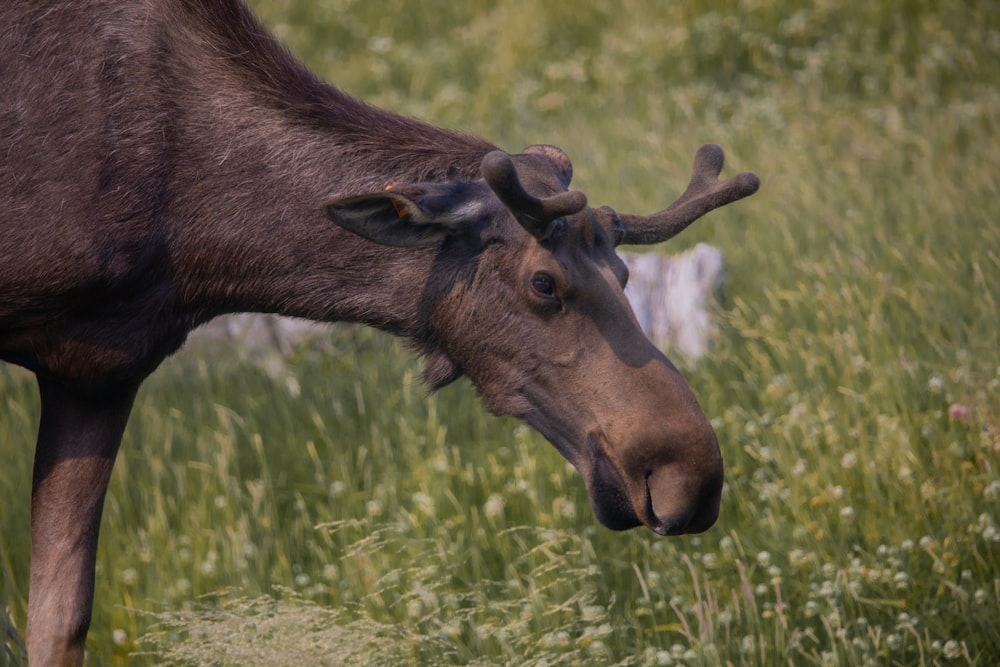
[{"x": 543, "y": 284}]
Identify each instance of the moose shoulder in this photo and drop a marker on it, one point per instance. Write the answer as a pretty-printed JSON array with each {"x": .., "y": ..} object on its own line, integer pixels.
[{"x": 163, "y": 162}]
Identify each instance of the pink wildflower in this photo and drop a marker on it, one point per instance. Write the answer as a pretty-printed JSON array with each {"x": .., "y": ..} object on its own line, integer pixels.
[{"x": 959, "y": 412}]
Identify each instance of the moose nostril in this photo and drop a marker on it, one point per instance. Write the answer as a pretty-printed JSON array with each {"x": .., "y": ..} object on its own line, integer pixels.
[{"x": 655, "y": 523}]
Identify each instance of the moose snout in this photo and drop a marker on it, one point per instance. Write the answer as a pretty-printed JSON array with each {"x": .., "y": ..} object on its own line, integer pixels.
[
  {"x": 676, "y": 492},
  {"x": 682, "y": 477}
]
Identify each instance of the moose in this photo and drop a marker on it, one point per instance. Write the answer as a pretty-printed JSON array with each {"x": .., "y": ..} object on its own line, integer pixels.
[{"x": 164, "y": 162}]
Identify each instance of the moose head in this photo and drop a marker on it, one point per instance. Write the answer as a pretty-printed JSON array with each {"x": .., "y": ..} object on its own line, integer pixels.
[{"x": 527, "y": 300}]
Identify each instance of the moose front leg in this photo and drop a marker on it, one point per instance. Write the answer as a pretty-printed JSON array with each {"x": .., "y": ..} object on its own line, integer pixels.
[{"x": 78, "y": 439}]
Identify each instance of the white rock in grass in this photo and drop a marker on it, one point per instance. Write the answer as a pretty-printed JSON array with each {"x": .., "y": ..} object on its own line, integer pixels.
[{"x": 672, "y": 296}]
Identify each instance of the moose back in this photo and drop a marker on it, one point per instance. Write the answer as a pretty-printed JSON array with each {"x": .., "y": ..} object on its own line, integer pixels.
[{"x": 163, "y": 162}]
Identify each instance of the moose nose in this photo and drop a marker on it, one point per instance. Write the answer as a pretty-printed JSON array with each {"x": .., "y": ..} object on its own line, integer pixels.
[{"x": 684, "y": 498}]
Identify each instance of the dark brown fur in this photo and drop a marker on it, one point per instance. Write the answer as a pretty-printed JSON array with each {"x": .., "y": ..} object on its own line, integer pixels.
[{"x": 163, "y": 162}]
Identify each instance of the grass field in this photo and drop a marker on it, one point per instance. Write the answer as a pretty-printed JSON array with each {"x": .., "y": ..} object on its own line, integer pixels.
[{"x": 333, "y": 513}]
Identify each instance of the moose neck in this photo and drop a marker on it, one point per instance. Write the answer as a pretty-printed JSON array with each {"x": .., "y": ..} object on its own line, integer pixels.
[{"x": 261, "y": 146}]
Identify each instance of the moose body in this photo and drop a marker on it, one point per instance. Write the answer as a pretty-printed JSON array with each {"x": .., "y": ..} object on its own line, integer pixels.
[{"x": 163, "y": 162}]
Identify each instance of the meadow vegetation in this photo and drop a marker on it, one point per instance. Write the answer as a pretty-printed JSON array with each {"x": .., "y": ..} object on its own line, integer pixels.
[{"x": 333, "y": 513}]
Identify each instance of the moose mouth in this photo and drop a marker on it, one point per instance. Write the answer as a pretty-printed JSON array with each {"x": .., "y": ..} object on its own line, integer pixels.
[{"x": 608, "y": 499}]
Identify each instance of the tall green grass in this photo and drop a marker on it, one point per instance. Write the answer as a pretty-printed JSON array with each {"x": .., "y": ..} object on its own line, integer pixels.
[{"x": 335, "y": 514}]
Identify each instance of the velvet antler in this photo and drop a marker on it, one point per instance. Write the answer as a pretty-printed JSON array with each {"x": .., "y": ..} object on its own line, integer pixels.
[
  {"x": 534, "y": 213},
  {"x": 704, "y": 193}
]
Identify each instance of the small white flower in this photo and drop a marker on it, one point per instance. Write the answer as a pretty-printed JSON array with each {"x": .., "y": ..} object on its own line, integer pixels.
[
  {"x": 424, "y": 503},
  {"x": 494, "y": 507},
  {"x": 664, "y": 659},
  {"x": 564, "y": 507}
]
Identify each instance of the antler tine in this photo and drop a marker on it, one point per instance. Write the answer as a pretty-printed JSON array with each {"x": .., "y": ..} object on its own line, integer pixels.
[
  {"x": 704, "y": 193},
  {"x": 534, "y": 213}
]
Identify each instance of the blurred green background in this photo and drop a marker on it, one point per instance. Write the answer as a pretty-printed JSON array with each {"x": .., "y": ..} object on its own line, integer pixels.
[{"x": 332, "y": 513}]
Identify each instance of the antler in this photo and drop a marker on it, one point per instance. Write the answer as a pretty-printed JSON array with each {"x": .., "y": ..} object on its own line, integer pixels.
[
  {"x": 704, "y": 193},
  {"x": 534, "y": 213}
]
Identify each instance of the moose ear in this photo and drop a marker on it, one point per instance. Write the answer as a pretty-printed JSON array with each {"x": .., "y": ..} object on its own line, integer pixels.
[
  {"x": 407, "y": 216},
  {"x": 557, "y": 158}
]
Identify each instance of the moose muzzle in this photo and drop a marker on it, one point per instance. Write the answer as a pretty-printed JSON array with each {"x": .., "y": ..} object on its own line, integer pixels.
[{"x": 672, "y": 487}]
